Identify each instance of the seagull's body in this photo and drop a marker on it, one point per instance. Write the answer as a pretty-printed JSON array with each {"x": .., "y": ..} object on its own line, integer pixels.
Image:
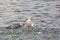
[{"x": 28, "y": 23}]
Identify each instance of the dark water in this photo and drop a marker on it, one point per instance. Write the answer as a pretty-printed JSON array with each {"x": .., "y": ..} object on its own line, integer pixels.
[{"x": 45, "y": 14}]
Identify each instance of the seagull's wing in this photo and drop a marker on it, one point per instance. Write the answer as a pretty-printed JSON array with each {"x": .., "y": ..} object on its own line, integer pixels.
[{"x": 33, "y": 24}]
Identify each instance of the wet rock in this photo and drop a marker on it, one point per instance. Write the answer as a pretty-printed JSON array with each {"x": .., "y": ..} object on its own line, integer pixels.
[{"x": 14, "y": 26}]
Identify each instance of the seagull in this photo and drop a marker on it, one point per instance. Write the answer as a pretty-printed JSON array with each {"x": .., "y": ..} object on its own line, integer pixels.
[{"x": 28, "y": 23}]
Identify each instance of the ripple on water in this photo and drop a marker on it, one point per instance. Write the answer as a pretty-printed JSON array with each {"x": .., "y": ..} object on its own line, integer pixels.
[
  {"x": 37, "y": 7},
  {"x": 26, "y": 10},
  {"x": 34, "y": 13},
  {"x": 17, "y": 10},
  {"x": 37, "y": 16}
]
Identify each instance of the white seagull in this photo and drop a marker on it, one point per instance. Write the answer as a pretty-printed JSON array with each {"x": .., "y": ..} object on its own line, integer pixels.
[{"x": 28, "y": 23}]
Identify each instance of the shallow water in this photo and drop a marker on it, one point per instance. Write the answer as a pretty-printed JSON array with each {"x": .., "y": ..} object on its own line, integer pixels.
[{"x": 45, "y": 14}]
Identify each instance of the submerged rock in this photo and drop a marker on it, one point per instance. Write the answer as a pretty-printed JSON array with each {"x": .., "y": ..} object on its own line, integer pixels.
[{"x": 14, "y": 26}]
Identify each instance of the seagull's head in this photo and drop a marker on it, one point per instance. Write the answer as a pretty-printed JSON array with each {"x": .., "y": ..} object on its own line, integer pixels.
[{"x": 28, "y": 19}]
